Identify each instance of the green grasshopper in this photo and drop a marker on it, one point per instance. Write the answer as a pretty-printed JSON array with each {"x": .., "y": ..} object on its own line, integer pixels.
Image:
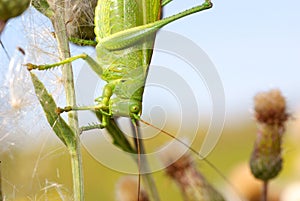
[{"x": 125, "y": 34}]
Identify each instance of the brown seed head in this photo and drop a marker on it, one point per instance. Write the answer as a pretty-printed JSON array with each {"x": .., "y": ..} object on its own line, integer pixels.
[
  {"x": 127, "y": 190},
  {"x": 270, "y": 107},
  {"x": 176, "y": 159},
  {"x": 182, "y": 169}
]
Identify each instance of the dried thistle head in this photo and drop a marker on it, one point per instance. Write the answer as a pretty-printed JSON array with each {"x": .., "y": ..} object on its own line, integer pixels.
[
  {"x": 266, "y": 160},
  {"x": 81, "y": 19},
  {"x": 176, "y": 160},
  {"x": 79, "y": 16},
  {"x": 180, "y": 166},
  {"x": 127, "y": 190},
  {"x": 270, "y": 107}
]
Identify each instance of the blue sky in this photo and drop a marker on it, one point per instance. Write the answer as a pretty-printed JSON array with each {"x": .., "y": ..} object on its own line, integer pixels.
[{"x": 254, "y": 46}]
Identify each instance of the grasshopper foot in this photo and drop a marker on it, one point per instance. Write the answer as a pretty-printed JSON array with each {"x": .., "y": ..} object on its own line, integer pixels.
[
  {"x": 103, "y": 125},
  {"x": 208, "y": 4},
  {"x": 60, "y": 110},
  {"x": 30, "y": 66}
]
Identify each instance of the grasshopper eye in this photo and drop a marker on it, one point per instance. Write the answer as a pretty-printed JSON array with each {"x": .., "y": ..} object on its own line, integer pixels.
[{"x": 134, "y": 109}]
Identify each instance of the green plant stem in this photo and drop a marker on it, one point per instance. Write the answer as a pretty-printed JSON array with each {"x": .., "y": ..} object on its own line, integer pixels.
[
  {"x": 147, "y": 177},
  {"x": 76, "y": 159},
  {"x": 1, "y": 197},
  {"x": 264, "y": 196}
]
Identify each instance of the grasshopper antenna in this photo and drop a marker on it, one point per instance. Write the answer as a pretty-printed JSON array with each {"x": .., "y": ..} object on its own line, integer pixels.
[
  {"x": 195, "y": 152},
  {"x": 187, "y": 146}
]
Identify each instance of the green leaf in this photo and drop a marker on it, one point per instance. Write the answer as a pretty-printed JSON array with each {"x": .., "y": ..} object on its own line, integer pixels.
[
  {"x": 57, "y": 123},
  {"x": 117, "y": 135},
  {"x": 43, "y": 7}
]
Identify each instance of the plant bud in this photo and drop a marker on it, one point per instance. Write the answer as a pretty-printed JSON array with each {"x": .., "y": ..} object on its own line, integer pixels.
[
  {"x": 12, "y": 8},
  {"x": 193, "y": 185},
  {"x": 266, "y": 160}
]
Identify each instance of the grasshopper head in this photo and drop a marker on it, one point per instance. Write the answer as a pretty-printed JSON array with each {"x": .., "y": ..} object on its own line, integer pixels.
[{"x": 126, "y": 107}]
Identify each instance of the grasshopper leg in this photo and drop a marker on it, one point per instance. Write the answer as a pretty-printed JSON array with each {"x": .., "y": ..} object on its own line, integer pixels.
[
  {"x": 101, "y": 108},
  {"x": 165, "y": 2},
  {"x": 92, "y": 63},
  {"x": 130, "y": 36},
  {"x": 31, "y": 66},
  {"x": 83, "y": 42},
  {"x": 97, "y": 108}
]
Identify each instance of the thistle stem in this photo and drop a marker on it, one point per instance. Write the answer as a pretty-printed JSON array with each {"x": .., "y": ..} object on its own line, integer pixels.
[
  {"x": 264, "y": 195},
  {"x": 58, "y": 21}
]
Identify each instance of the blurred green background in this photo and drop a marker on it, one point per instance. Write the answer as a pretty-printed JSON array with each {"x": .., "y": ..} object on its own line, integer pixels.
[{"x": 41, "y": 170}]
